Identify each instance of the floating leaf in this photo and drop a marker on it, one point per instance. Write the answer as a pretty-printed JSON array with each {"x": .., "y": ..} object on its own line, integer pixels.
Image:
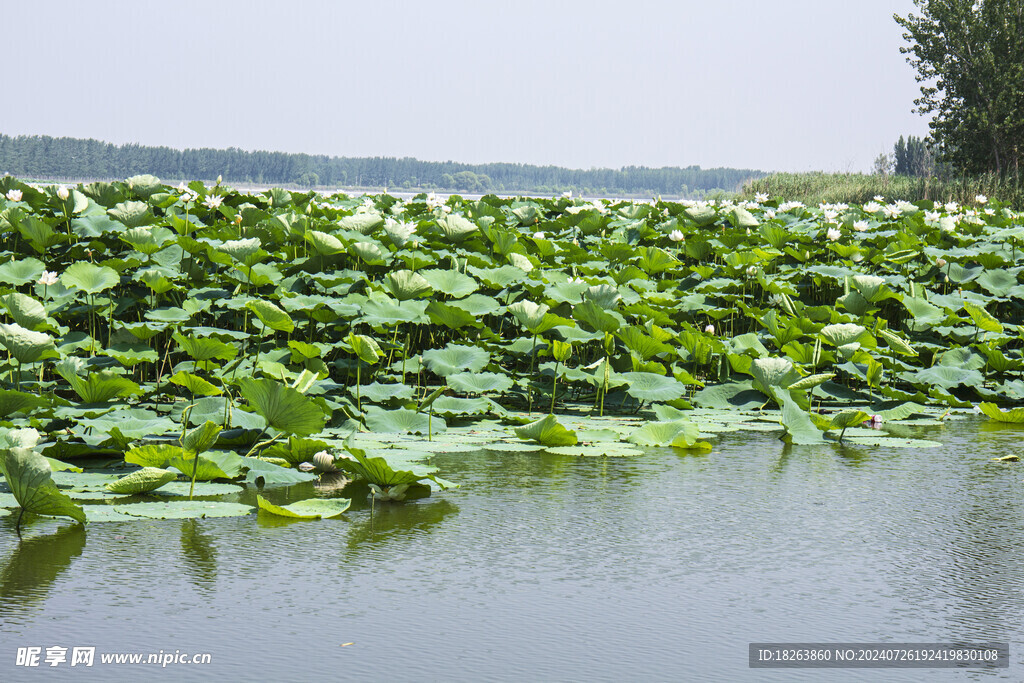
[
  {"x": 185, "y": 509},
  {"x": 1016, "y": 415},
  {"x": 140, "y": 481},
  {"x": 548, "y": 432},
  {"x": 311, "y": 508}
]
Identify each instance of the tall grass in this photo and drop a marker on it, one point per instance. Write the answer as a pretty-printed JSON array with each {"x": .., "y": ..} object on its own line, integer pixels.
[{"x": 857, "y": 188}]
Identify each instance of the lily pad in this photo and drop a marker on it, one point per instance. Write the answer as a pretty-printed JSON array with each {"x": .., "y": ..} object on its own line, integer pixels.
[
  {"x": 185, "y": 509},
  {"x": 311, "y": 508}
]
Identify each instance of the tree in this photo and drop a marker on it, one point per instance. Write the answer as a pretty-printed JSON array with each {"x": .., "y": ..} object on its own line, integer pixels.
[
  {"x": 969, "y": 55},
  {"x": 913, "y": 157}
]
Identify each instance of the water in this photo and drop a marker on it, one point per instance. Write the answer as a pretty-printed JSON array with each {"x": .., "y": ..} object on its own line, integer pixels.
[{"x": 661, "y": 567}]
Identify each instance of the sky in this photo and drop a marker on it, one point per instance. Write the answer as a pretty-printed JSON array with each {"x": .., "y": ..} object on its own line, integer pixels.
[{"x": 789, "y": 85}]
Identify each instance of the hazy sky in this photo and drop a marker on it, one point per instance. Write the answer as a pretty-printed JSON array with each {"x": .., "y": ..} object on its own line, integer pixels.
[{"x": 792, "y": 85}]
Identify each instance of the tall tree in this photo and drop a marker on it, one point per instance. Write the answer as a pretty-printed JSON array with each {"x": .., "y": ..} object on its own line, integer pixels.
[{"x": 969, "y": 56}]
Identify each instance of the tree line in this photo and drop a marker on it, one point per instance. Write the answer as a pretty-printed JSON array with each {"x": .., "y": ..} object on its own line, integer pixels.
[{"x": 75, "y": 158}]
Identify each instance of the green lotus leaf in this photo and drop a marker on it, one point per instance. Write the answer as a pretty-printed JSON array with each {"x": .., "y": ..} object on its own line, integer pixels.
[
  {"x": 800, "y": 429},
  {"x": 370, "y": 253},
  {"x": 848, "y": 418},
  {"x": 220, "y": 409},
  {"x": 381, "y": 393},
  {"x": 184, "y": 489},
  {"x": 185, "y": 509},
  {"x": 365, "y": 348},
  {"x": 140, "y": 481},
  {"x": 925, "y": 314},
  {"x": 451, "y": 282},
  {"x": 454, "y": 358},
  {"x": 946, "y": 377},
  {"x": 530, "y": 315},
  {"x": 772, "y": 372},
  {"x": 25, "y": 310},
  {"x": 152, "y": 456},
  {"x": 681, "y": 432},
  {"x": 325, "y": 244},
  {"x": 205, "y": 348},
  {"x": 843, "y": 334},
  {"x": 97, "y": 387},
  {"x": 810, "y": 381},
  {"x": 377, "y": 470},
  {"x": 263, "y": 473},
  {"x": 406, "y": 284},
  {"x": 130, "y": 355},
  {"x": 455, "y": 228},
  {"x": 195, "y": 385},
  {"x": 605, "y": 296},
  {"x": 479, "y": 382},
  {"x": 647, "y": 386},
  {"x": 593, "y": 315},
  {"x": 296, "y": 450},
  {"x": 449, "y": 405},
  {"x": 147, "y": 241},
  {"x": 998, "y": 281},
  {"x": 363, "y": 223},
  {"x": 201, "y": 438},
  {"x": 640, "y": 343},
  {"x": 284, "y": 408},
  {"x": 896, "y": 342},
  {"x": 132, "y": 214},
  {"x": 547, "y": 431},
  {"x": 982, "y": 318},
  {"x": 271, "y": 316},
  {"x": 402, "y": 421},
  {"x": 1015, "y": 415},
  {"x": 28, "y": 476},
  {"x": 450, "y": 316},
  {"x": 20, "y": 272},
  {"x": 311, "y": 508},
  {"x": 204, "y": 469},
  {"x": 869, "y": 286},
  {"x": 90, "y": 278},
  {"x": 168, "y": 315},
  {"x": 12, "y": 402},
  {"x": 25, "y": 345}
]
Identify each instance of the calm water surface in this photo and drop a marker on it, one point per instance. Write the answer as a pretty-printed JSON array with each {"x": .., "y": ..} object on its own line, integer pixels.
[{"x": 660, "y": 567}]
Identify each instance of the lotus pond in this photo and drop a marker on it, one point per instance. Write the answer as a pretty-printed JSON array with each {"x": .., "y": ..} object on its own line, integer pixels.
[
  {"x": 289, "y": 363},
  {"x": 222, "y": 338}
]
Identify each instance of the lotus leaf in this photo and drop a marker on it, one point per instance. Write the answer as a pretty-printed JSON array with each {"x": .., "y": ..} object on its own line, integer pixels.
[
  {"x": 141, "y": 481},
  {"x": 311, "y": 508}
]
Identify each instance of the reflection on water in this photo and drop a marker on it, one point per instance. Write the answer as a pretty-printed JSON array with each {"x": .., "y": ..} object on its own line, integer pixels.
[
  {"x": 30, "y": 569},
  {"x": 200, "y": 555},
  {"x": 659, "y": 567}
]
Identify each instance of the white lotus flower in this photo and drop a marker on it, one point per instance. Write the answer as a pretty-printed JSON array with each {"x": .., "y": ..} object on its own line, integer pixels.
[
  {"x": 752, "y": 271},
  {"x": 761, "y": 197},
  {"x": 47, "y": 278},
  {"x": 830, "y": 215},
  {"x": 676, "y": 236},
  {"x": 710, "y": 329},
  {"x": 951, "y": 207},
  {"x": 181, "y": 187},
  {"x": 860, "y": 226},
  {"x": 769, "y": 213},
  {"x": 567, "y": 194},
  {"x": 14, "y": 195},
  {"x": 879, "y": 198},
  {"x": 62, "y": 192},
  {"x": 892, "y": 211},
  {"x": 833, "y": 234},
  {"x": 981, "y": 199},
  {"x": 538, "y": 235},
  {"x": 789, "y": 206},
  {"x": 989, "y": 211},
  {"x": 940, "y": 262},
  {"x": 213, "y": 201},
  {"x": 872, "y": 207}
]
